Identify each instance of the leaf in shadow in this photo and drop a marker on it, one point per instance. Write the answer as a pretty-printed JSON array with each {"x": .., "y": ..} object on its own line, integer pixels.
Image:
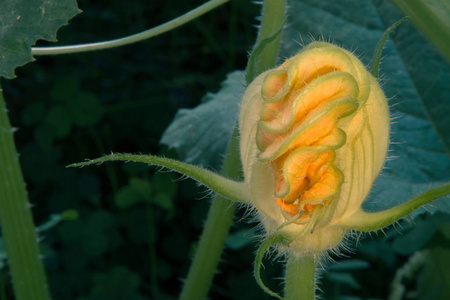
[
  {"x": 22, "y": 22},
  {"x": 201, "y": 135}
]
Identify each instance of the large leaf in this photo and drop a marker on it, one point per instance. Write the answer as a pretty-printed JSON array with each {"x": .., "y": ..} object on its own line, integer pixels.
[
  {"x": 201, "y": 135},
  {"x": 22, "y": 22}
]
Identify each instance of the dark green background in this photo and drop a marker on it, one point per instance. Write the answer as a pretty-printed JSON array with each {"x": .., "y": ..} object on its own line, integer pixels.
[{"x": 137, "y": 231}]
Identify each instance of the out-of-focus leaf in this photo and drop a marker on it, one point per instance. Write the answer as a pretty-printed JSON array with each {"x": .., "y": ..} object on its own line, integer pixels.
[
  {"x": 126, "y": 197},
  {"x": 119, "y": 283},
  {"x": 164, "y": 201},
  {"x": 201, "y": 135},
  {"x": 239, "y": 239},
  {"x": 165, "y": 182},
  {"x": 343, "y": 278},
  {"x": 33, "y": 113},
  {"x": 138, "y": 190},
  {"x": 422, "y": 231},
  {"x": 435, "y": 280},
  {"x": 22, "y": 22},
  {"x": 141, "y": 186},
  {"x": 44, "y": 136},
  {"x": 60, "y": 120},
  {"x": 86, "y": 109},
  {"x": 348, "y": 265},
  {"x": 64, "y": 89}
]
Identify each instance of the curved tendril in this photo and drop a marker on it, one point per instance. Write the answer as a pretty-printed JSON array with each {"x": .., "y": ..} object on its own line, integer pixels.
[{"x": 181, "y": 20}]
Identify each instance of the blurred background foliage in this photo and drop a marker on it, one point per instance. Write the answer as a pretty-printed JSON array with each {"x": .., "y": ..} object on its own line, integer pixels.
[{"x": 137, "y": 229}]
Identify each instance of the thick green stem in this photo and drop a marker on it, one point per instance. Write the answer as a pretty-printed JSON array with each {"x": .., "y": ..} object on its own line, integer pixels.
[
  {"x": 221, "y": 211},
  {"x": 369, "y": 221},
  {"x": 16, "y": 221},
  {"x": 300, "y": 278},
  {"x": 215, "y": 231}
]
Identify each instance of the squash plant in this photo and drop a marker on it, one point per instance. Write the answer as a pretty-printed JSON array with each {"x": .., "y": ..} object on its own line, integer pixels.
[{"x": 313, "y": 133}]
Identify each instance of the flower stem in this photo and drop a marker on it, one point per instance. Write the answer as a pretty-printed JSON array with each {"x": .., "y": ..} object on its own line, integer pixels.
[
  {"x": 191, "y": 15},
  {"x": 369, "y": 221},
  {"x": 215, "y": 231},
  {"x": 300, "y": 278},
  {"x": 16, "y": 221},
  {"x": 221, "y": 211}
]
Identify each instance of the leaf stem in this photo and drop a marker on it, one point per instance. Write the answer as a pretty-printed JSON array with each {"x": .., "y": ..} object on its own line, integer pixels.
[
  {"x": 300, "y": 278},
  {"x": 233, "y": 190},
  {"x": 181, "y": 20},
  {"x": 16, "y": 221},
  {"x": 367, "y": 221},
  {"x": 215, "y": 231}
]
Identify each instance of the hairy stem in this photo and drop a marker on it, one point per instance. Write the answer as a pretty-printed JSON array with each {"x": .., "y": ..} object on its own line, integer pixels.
[
  {"x": 369, "y": 221},
  {"x": 16, "y": 221},
  {"x": 192, "y": 15},
  {"x": 221, "y": 211},
  {"x": 230, "y": 189},
  {"x": 300, "y": 278}
]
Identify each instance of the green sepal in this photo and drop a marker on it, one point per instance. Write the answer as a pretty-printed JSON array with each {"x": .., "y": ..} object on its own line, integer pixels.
[
  {"x": 367, "y": 221},
  {"x": 276, "y": 238},
  {"x": 375, "y": 63},
  {"x": 254, "y": 66},
  {"x": 230, "y": 189}
]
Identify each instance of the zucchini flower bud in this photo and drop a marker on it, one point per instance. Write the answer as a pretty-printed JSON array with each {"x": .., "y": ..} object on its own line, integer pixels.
[{"x": 314, "y": 136}]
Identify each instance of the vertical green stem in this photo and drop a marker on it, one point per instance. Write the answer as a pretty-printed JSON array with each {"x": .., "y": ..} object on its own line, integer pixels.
[
  {"x": 16, "y": 221},
  {"x": 300, "y": 278},
  {"x": 152, "y": 252},
  {"x": 221, "y": 211},
  {"x": 216, "y": 229}
]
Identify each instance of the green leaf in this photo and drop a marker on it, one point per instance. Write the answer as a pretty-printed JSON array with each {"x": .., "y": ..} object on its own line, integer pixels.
[
  {"x": 420, "y": 234},
  {"x": 343, "y": 278},
  {"x": 164, "y": 201},
  {"x": 126, "y": 197},
  {"x": 349, "y": 265},
  {"x": 375, "y": 63},
  {"x": 119, "y": 283},
  {"x": 255, "y": 65},
  {"x": 22, "y": 22},
  {"x": 201, "y": 135},
  {"x": 141, "y": 186},
  {"x": 239, "y": 239}
]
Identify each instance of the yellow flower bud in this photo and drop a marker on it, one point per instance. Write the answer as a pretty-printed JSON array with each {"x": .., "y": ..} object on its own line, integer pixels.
[{"x": 314, "y": 135}]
